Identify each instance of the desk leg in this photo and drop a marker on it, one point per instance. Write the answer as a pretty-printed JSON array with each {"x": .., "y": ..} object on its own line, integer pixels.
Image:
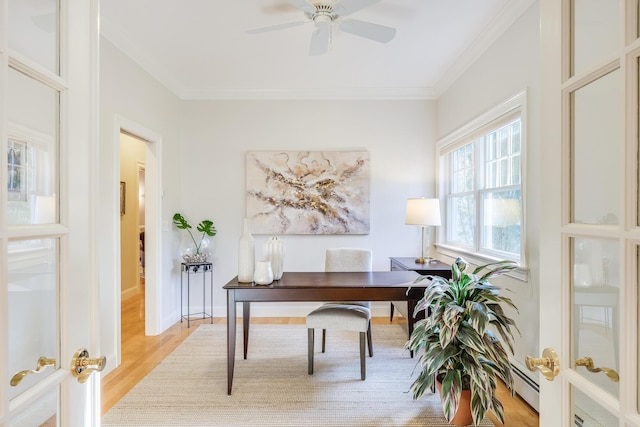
[
  {"x": 411, "y": 306},
  {"x": 231, "y": 337},
  {"x": 246, "y": 317}
]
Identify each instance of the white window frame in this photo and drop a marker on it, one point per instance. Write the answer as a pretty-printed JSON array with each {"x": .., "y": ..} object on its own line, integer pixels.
[{"x": 464, "y": 135}]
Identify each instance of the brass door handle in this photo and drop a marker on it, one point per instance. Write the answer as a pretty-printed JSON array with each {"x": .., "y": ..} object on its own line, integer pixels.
[
  {"x": 43, "y": 362},
  {"x": 587, "y": 362},
  {"x": 82, "y": 366},
  {"x": 548, "y": 364}
]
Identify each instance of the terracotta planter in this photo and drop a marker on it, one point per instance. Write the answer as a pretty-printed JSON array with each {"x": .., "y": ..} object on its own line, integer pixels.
[{"x": 463, "y": 415}]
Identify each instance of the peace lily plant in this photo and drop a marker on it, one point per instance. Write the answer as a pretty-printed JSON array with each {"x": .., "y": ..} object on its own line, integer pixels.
[{"x": 460, "y": 342}]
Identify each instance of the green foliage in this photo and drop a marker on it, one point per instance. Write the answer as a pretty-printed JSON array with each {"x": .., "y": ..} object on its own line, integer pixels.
[
  {"x": 205, "y": 227},
  {"x": 461, "y": 340}
]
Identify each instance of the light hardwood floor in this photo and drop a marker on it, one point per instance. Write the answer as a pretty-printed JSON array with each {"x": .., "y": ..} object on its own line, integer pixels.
[{"x": 140, "y": 354}]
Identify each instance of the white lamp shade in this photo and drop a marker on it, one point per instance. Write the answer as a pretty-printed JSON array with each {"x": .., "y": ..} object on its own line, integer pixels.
[
  {"x": 501, "y": 212},
  {"x": 45, "y": 210},
  {"x": 423, "y": 212}
]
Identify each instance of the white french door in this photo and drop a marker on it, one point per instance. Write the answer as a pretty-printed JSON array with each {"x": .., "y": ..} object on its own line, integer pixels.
[
  {"x": 48, "y": 290},
  {"x": 590, "y": 234}
]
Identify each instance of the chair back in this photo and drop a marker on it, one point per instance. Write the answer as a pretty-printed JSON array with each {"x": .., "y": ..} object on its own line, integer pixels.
[{"x": 348, "y": 259}]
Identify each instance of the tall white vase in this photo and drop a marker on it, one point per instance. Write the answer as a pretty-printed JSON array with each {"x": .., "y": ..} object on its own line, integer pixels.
[
  {"x": 274, "y": 252},
  {"x": 246, "y": 255}
]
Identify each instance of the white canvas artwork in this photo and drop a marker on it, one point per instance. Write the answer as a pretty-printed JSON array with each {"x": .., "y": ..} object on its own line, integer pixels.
[{"x": 308, "y": 192}]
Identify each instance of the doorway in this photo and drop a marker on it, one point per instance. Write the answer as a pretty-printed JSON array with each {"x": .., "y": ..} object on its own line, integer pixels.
[
  {"x": 132, "y": 221},
  {"x": 150, "y": 218}
]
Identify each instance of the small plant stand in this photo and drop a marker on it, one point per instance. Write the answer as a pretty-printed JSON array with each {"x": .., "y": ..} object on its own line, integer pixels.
[{"x": 188, "y": 269}]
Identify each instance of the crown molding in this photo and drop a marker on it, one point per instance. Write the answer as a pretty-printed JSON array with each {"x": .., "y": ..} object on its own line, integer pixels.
[
  {"x": 487, "y": 37},
  {"x": 309, "y": 93},
  {"x": 143, "y": 60}
]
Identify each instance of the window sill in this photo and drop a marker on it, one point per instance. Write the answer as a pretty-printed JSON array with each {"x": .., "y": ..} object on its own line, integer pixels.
[{"x": 521, "y": 273}]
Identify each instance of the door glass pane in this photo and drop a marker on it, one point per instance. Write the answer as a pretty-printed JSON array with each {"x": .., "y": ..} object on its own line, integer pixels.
[
  {"x": 597, "y": 151},
  {"x": 32, "y": 184},
  {"x": 33, "y": 31},
  {"x": 587, "y": 412},
  {"x": 637, "y": 22},
  {"x": 33, "y": 313},
  {"x": 43, "y": 413},
  {"x": 596, "y": 32},
  {"x": 596, "y": 285},
  {"x": 637, "y": 72}
]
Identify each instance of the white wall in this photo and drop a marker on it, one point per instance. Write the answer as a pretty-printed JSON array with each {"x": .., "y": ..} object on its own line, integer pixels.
[
  {"x": 399, "y": 136},
  {"x": 126, "y": 91},
  {"x": 510, "y": 65}
]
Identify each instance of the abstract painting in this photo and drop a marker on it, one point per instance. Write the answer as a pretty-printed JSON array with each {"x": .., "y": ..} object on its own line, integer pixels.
[{"x": 308, "y": 192}]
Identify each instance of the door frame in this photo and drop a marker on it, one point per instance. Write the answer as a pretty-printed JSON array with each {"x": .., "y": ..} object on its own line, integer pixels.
[{"x": 153, "y": 235}]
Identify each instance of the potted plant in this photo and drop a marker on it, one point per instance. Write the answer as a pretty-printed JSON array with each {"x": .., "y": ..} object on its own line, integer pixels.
[
  {"x": 461, "y": 341},
  {"x": 190, "y": 249}
]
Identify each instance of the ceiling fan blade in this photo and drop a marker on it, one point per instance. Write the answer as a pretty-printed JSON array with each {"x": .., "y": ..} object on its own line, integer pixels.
[
  {"x": 304, "y": 5},
  {"x": 347, "y": 7},
  {"x": 320, "y": 39},
  {"x": 368, "y": 30},
  {"x": 277, "y": 27}
]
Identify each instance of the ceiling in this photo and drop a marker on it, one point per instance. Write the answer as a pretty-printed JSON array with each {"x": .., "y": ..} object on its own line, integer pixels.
[{"x": 200, "y": 49}]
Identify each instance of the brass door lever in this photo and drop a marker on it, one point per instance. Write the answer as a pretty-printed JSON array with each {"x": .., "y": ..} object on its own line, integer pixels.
[
  {"x": 548, "y": 364},
  {"x": 43, "y": 362},
  {"x": 587, "y": 362},
  {"x": 82, "y": 366}
]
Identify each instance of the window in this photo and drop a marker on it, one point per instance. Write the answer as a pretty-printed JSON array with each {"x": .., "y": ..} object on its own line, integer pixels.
[{"x": 481, "y": 186}]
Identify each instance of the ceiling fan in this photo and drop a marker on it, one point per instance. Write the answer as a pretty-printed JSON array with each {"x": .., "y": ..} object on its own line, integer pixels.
[{"x": 324, "y": 13}]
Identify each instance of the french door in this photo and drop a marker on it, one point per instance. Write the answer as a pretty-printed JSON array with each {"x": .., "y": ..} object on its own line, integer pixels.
[
  {"x": 48, "y": 292},
  {"x": 590, "y": 234}
]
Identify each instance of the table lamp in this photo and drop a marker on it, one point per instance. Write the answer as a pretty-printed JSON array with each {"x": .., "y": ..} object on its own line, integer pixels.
[{"x": 423, "y": 213}]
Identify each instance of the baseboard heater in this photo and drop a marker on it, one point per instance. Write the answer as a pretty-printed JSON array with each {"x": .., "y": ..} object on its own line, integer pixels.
[
  {"x": 526, "y": 388},
  {"x": 525, "y": 378}
]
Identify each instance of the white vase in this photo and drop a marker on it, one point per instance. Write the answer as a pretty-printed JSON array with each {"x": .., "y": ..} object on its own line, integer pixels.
[
  {"x": 246, "y": 255},
  {"x": 274, "y": 252},
  {"x": 263, "y": 274}
]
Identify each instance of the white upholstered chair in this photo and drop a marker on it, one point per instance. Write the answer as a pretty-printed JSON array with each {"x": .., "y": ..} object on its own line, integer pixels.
[{"x": 349, "y": 316}]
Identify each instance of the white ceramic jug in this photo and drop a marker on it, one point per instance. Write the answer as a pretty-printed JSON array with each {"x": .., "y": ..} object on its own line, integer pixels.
[{"x": 263, "y": 274}]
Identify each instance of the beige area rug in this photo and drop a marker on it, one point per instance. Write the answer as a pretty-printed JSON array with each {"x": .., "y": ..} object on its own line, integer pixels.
[{"x": 272, "y": 387}]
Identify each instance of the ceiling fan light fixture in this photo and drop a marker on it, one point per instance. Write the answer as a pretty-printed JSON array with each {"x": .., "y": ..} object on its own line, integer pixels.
[{"x": 322, "y": 18}]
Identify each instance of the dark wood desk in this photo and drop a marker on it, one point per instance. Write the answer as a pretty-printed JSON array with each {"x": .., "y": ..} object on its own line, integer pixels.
[
  {"x": 431, "y": 268},
  {"x": 317, "y": 286}
]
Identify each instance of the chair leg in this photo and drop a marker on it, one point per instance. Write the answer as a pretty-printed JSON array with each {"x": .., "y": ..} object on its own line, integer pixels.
[
  {"x": 363, "y": 359},
  {"x": 370, "y": 340},
  {"x": 324, "y": 336},
  {"x": 310, "y": 350},
  {"x": 391, "y": 315}
]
